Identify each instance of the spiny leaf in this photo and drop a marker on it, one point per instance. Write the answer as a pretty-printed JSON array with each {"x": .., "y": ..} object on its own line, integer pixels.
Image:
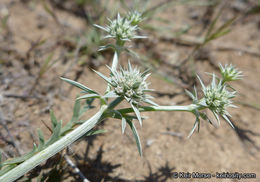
[
  {"x": 104, "y": 77},
  {"x": 136, "y": 136},
  {"x": 54, "y": 121},
  {"x": 202, "y": 84},
  {"x": 228, "y": 121},
  {"x": 41, "y": 140},
  {"x": 193, "y": 128},
  {"x": 79, "y": 85},
  {"x": 137, "y": 113},
  {"x": 55, "y": 135},
  {"x": 76, "y": 110},
  {"x": 22, "y": 158},
  {"x": 190, "y": 94}
]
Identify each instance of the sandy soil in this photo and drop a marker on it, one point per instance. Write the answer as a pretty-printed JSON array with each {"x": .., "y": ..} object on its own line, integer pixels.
[{"x": 113, "y": 156}]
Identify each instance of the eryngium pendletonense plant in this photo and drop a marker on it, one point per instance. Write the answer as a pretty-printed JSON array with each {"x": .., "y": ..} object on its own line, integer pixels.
[{"x": 122, "y": 84}]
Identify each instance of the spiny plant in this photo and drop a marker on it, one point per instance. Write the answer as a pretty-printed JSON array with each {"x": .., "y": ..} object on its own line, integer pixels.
[{"x": 122, "y": 84}]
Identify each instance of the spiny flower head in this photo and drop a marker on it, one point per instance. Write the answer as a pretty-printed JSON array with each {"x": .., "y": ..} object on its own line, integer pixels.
[
  {"x": 134, "y": 17},
  {"x": 217, "y": 98},
  {"x": 230, "y": 73},
  {"x": 131, "y": 84},
  {"x": 122, "y": 29}
]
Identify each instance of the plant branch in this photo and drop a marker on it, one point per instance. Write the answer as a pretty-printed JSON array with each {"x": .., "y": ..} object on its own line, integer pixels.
[{"x": 56, "y": 147}]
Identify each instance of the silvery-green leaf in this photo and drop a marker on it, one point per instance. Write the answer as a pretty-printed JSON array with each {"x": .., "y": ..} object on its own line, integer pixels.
[
  {"x": 22, "y": 158},
  {"x": 55, "y": 134},
  {"x": 148, "y": 101},
  {"x": 136, "y": 136},
  {"x": 202, "y": 84},
  {"x": 76, "y": 110},
  {"x": 87, "y": 96},
  {"x": 41, "y": 140},
  {"x": 123, "y": 125},
  {"x": 102, "y": 28},
  {"x": 95, "y": 132},
  {"x": 190, "y": 94},
  {"x": 107, "y": 47},
  {"x": 54, "y": 121},
  {"x": 216, "y": 116},
  {"x": 137, "y": 113},
  {"x": 108, "y": 80},
  {"x": 110, "y": 94},
  {"x": 193, "y": 128},
  {"x": 79, "y": 85},
  {"x": 228, "y": 121}
]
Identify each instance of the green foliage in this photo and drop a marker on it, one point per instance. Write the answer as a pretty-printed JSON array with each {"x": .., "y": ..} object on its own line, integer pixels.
[{"x": 57, "y": 132}]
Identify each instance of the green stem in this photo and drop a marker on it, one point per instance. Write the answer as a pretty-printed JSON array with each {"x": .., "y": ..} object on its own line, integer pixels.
[
  {"x": 188, "y": 108},
  {"x": 51, "y": 150}
]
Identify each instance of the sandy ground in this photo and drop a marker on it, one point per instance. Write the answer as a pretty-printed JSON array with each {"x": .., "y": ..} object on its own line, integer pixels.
[{"x": 113, "y": 156}]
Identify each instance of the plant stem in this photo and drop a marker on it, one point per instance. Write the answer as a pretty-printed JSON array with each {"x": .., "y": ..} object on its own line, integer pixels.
[
  {"x": 51, "y": 150},
  {"x": 188, "y": 108}
]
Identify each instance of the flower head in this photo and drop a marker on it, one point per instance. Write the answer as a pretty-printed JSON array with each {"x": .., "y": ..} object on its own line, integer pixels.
[
  {"x": 134, "y": 17},
  {"x": 131, "y": 84},
  {"x": 230, "y": 73},
  {"x": 217, "y": 98},
  {"x": 122, "y": 29}
]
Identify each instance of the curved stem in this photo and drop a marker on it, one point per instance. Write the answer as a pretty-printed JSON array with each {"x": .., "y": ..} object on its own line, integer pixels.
[{"x": 51, "y": 150}]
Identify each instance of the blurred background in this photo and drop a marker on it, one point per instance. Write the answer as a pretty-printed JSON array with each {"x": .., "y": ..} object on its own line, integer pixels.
[{"x": 41, "y": 40}]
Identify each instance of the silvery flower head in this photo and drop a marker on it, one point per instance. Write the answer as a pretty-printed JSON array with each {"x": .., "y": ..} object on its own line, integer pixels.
[
  {"x": 131, "y": 84},
  {"x": 217, "y": 98},
  {"x": 134, "y": 17},
  {"x": 230, "y": 73},
  {"x": 121, "y": 29}
]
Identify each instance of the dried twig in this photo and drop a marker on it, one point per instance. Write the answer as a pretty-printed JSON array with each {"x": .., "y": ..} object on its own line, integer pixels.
[{"x": 76, "y": 169}]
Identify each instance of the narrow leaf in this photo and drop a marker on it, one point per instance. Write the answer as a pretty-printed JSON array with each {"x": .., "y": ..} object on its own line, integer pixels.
[
  {"x": 104, "y": 77},
  {"x": 87, "y": 96},
  {"x": 95, "y": 132},
  {"x": 110, "y": 94},
  {"x": 41, "y": 140},
  {"x": 54, "y": 121},
  {"x": 137, "y": 113},
  {"x": 22, "y": 158},
  {"x": 193, "y": 128},
  {"x": 76, "y": 110},
  {"x": 79, "y": 85},
  {"x": 136, "y": 136},
  {"x": 190, "y": 94},
  {"x": 123, "y": 125},
  {"x": 148, "y": 101},
  {"x": 202, "y": 84},
  {"x": 55, "y": 135},
  {"x": 228, "y": 121}
]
